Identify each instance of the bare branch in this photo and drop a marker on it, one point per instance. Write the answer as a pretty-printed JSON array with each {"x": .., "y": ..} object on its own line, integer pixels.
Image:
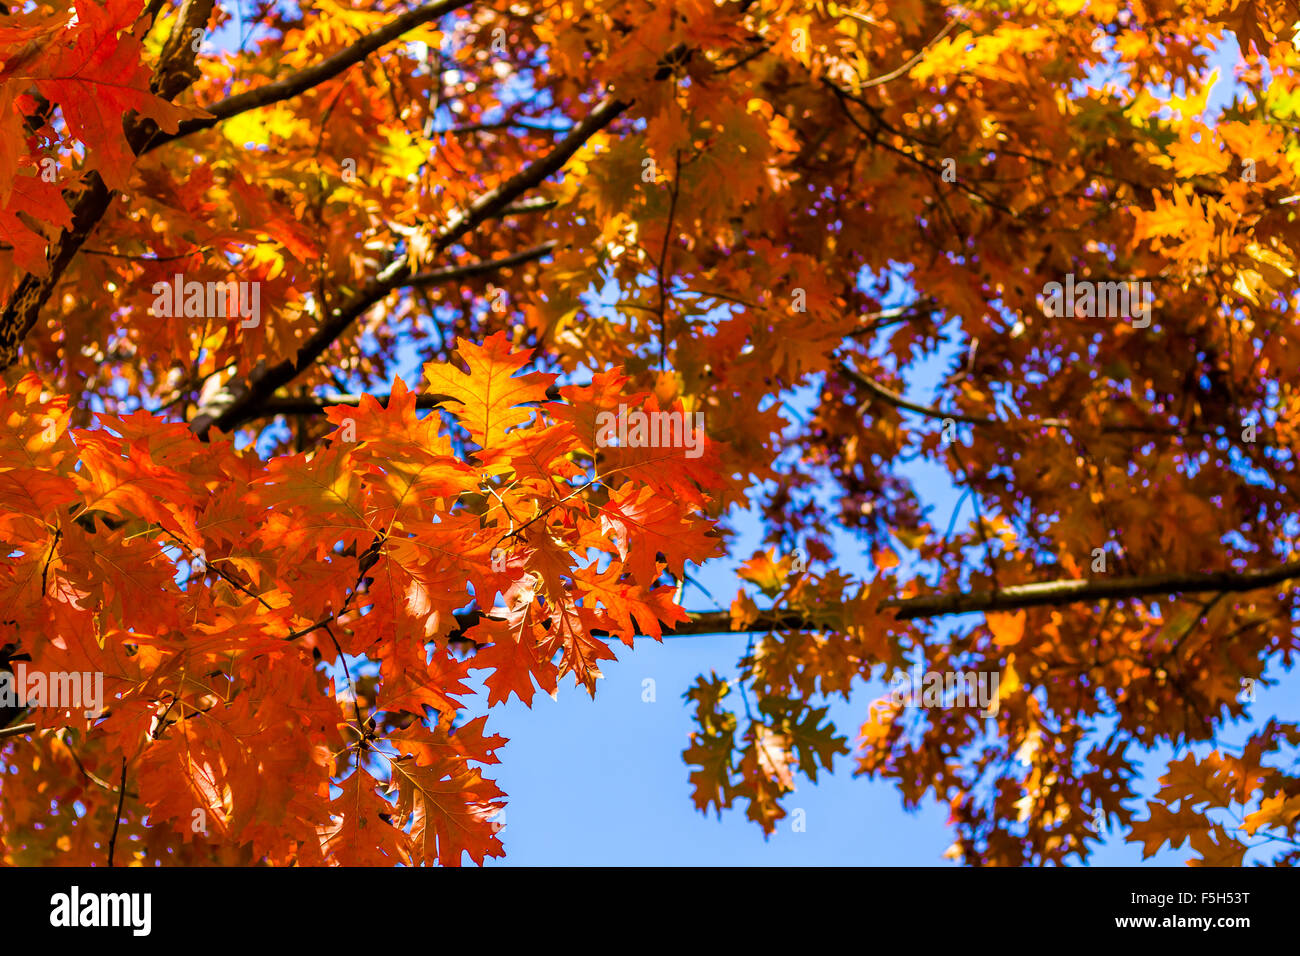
[{"x": 898, "y": 401}]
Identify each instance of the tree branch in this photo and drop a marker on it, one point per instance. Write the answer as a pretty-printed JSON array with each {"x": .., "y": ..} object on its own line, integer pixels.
[
  {"x": 493, "y": 201},
  {"x": 915, "y": 59},
  {"x": 312, "y": 76},
  {"x": 316, "y": 405},
  {"x": 231, "y": 408},
  {"x": 503, "y": 124},
  {"x": 247, "y": 405},
  {"x": 1016, "y": 597},
  {"x": 117, "y": 818},
  {"x": 482, "y": 268},
  {"x": 898, "y": 401}
]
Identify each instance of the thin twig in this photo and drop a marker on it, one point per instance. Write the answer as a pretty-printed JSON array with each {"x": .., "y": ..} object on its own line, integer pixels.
[{"x": 117, "y": 820}]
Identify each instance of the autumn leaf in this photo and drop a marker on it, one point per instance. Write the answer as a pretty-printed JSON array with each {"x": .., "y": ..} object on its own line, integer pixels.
[
  {"x": 1164, "y": 826},
  {"x": 449, "y": 807},
  {"x": 1278, "y": 810},
  {"x": 513, "y": 655},
  {"x": 626, "y": 601},
  {"x": 1008, "y": 629},
  {"x": 94, "y": 71},
  {"x": 492, "y": 397}
]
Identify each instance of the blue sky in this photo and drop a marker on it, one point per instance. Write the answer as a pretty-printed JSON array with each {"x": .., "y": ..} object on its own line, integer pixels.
[{"x": 603, "y": 782}]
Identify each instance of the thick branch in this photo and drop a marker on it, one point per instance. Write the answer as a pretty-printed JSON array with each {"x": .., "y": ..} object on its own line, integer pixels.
[
  {"x": 33, "y": 291},
  {"x": 1055, "y": 593}
]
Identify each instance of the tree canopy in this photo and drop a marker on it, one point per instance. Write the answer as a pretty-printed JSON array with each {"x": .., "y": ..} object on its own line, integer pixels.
[{"x": 330, "y": 332}]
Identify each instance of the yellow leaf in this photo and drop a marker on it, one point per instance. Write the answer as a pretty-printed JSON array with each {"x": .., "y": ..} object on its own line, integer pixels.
[
  {"x": 1007, "y": 628},
  {"x": 744, "y": 611},
  {"x": 1276, "y": 810},
  {"x": 1010, "y": 682}
]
